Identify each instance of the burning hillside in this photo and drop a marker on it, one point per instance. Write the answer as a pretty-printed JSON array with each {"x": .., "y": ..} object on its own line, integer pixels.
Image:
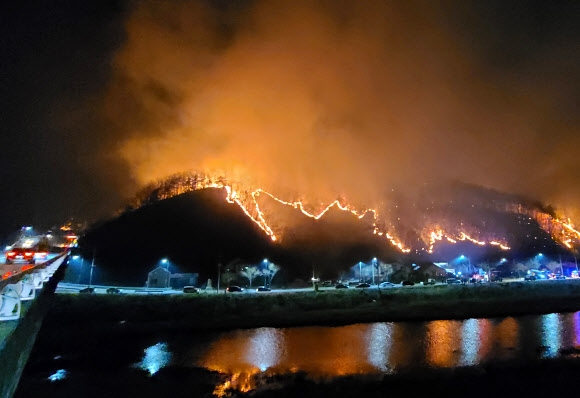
[
  {"x": 450, "y": 213},
  {"x": 348, "y": 105}
]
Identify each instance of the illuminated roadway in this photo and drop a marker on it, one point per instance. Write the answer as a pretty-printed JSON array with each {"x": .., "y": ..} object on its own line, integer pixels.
[
  {"x": 13, "y": 269},
  {"x": 74, "y": 288}
]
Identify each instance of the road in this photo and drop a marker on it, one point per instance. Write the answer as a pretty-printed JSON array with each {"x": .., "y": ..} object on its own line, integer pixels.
[
  {"x": 102, "y": 289},
  {"x": 7, "y": 270}
]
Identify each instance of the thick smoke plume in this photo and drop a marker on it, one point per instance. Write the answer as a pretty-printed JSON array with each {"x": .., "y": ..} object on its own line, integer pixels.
[{"x": 347, "y": 98}]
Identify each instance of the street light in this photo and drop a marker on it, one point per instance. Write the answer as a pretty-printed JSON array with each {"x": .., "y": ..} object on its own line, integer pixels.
[
  {"x": 360, "y": 271},
  {"x": 540, "y": 256},
  {"x": 166, "y": 262},
  {"x": 266, "y": 271},
  {"x": 374, "y": 263}
]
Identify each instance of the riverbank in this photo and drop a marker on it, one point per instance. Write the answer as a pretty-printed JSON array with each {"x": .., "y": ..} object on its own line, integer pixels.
[
  {"x": 158, "y": 345},
  {"x": 136, "y": 313}
]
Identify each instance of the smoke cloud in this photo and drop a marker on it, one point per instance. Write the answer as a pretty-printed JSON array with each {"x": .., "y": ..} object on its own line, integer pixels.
[{"x": 352, "y": 98}]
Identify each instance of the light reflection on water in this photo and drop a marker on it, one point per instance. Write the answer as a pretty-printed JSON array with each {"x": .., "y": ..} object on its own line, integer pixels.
[
  {"x": 576, "y": 335},
  {"x": 264, "y": 348},
  {"x": 472, "y": 331},
  {"x": 375, "y": 349},
  {"x": 387, "y": 347},
  {"x": 550, "y": 335},
  {"x": 380, "y": 337},
  {"x": 155, "y": 357}
]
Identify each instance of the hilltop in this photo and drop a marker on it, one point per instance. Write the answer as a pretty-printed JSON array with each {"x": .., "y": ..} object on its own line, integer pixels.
[{"x": 199, "y": 229}]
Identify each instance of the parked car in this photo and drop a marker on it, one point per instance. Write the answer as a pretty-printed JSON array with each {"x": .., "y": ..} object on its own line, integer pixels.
[
  {"x": 87, "y": 290},
  {"x": 385, "y": 285},
  {"x": 363, "y": 285},
  {"x": 429, "y": 281},
  {"x": 407, "y": 283},
  {"x": 263, "y": 289},
  {"x": 341, "y": 286},
  {"x": 559, "y": 276},
  {"x": 530, "y": 278},
  {"x": 190, "y": 289},
  {"x": 114, "y": 290},
  {"x": 453, "y": 281},
  {"x": 234, "y": 289}
]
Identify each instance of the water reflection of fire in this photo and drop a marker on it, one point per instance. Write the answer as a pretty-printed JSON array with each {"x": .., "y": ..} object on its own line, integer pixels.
[
  {"x": 442, "y": 347},
  {"x": 242, "y": 382},
  {"x": 268, "y": 357},
  {"x": 507, "y": 334}
]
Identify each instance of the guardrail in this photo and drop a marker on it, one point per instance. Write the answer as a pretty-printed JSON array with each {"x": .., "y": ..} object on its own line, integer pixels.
[{"x": 24, "y": 285}]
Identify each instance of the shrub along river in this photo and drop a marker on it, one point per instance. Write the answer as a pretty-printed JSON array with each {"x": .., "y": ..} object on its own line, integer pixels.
[{"x": 534, "y": 354}]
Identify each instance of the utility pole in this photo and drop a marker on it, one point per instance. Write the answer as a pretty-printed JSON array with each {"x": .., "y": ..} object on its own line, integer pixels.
[
  {"x": 92, "y": 268},
  {"x": 219, "y": 276},
  {"x": 80, "y": 271},
  {"x": 314, "y": 280}
]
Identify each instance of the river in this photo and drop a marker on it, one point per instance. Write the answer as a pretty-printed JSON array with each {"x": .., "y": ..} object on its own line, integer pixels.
[{"x": 269, "y": 359}]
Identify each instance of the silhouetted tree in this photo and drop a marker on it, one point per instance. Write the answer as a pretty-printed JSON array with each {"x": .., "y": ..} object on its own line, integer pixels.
[
  {"x": 250, "y": 273},
  {"x": 269, "y": 272}
]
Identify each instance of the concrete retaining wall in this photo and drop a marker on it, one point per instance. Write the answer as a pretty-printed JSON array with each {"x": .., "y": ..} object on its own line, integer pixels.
[{"x": 16, "y": 346}]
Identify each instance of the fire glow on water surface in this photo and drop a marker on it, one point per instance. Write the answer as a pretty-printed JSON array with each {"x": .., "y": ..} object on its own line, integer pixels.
[{"x": 246, "y": 197}]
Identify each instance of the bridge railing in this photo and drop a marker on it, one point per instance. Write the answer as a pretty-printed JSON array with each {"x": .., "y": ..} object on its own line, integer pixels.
[{"x": 23, "y": 285}]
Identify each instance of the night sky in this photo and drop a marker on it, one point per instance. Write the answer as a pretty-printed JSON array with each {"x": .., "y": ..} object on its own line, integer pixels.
[{"x": 313, "y": 98}]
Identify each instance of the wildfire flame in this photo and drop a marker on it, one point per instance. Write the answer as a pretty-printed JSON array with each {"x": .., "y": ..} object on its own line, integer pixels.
[
  {"x": 438, "y": 235},
  {"x": 246, "y": 197}
]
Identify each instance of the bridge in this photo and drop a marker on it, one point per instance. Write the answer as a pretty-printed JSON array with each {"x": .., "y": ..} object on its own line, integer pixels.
[{"x": 25, "y": 293}]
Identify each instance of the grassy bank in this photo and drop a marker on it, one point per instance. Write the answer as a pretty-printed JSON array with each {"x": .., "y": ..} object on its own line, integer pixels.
[{"x": 331, "y": 307}]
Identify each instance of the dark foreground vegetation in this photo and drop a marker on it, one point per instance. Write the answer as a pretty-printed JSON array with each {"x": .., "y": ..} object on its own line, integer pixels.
[
  {"x": 545, "y": 378},
  {"x": 536, "y": 379},
  {"x": 203, "y": 312}
]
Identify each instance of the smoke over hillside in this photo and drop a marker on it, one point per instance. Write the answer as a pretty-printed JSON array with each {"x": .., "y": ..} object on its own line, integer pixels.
[{"x": 355, "y": 99}]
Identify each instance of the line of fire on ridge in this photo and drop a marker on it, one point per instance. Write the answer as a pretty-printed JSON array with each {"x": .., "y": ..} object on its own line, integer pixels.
[{"x": 247, "y": 200}]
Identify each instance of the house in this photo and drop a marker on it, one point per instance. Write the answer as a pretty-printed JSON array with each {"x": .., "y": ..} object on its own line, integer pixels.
[
  {"x": 429, "y": 271},
  {"x": 159, "y": 277}
]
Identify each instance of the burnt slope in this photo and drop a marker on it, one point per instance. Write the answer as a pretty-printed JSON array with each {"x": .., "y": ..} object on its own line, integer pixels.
[
  {"x": 199, "y": 229},
  {"x": 194, "y": 231}
]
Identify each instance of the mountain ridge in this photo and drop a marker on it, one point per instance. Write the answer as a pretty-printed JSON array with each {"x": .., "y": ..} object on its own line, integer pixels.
[{"x": 199, "y": 229}]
